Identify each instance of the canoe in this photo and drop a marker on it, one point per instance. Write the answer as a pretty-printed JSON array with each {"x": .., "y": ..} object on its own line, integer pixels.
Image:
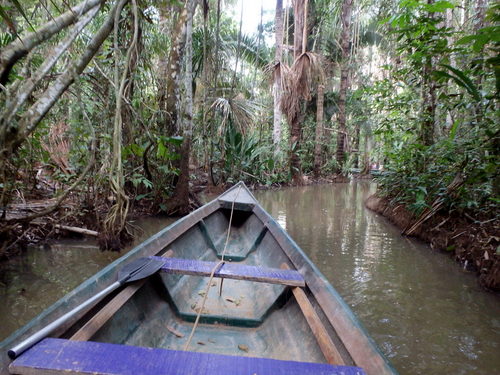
[{"x": 261, "y": 306}]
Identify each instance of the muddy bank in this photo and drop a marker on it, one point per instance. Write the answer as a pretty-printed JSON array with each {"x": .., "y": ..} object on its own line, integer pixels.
[
  {"x": 473, "y": 242},
  {"x": 83, "y": 214}
]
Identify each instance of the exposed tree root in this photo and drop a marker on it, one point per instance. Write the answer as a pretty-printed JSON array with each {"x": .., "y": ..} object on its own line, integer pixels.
[
  {"x": 176, "y": 206},
  {"x": 114, "y": 241}
]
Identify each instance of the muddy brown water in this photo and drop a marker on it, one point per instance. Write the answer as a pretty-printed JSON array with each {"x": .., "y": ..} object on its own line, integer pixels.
[{"x": 426, "y": 314}]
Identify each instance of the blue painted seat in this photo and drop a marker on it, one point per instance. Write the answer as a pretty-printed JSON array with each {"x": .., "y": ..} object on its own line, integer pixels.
[
  {"x": 52, "y": 356},
  {"x": 232, "y": 271}
]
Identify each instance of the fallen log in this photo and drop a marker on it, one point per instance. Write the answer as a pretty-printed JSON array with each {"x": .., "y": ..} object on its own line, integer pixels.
[{"x": 85, "y": 231}]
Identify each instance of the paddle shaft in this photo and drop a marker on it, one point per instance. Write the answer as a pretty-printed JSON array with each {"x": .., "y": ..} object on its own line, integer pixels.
[{"x": 44, "y": 332}]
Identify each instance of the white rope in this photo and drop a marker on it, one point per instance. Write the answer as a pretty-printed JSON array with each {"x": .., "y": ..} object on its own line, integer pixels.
[{"x": 219, "y": 264}]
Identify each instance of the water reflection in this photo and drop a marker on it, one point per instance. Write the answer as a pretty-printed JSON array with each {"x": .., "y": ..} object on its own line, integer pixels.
[
  {"x": 422, "y": 310},
  {"x": 30, "y": 283}
]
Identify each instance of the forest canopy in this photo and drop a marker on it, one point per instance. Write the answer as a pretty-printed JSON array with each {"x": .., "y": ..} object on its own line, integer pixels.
[{"x": 115, "y": 107}]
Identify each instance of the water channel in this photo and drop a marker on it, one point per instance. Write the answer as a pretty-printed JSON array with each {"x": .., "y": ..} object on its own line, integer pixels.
[{"x": 426, "y": 314}]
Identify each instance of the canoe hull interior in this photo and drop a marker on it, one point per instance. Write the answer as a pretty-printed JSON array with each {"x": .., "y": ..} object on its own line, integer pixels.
[
  {"x": 150, "y": 320},
  {"x": 249, "y": 318},
  {"x": 255, "y": 319}
]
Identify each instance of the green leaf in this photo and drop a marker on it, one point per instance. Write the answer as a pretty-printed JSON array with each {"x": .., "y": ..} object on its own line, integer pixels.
[
  {"x": 462, "y": 80},
  {"x": 176, "y": 140},
  {"x": 422, "y": 189},
  {"x": 439, "y": 6},
  {"x": 480, "y": 41},
  {"x": 21, "y": 10},
  {"x": 466, "y": 39},
  {"x": 442, "y": 74},
  {"x": 7, "y": 20},
  {"x": 453, "y": 130},
  {"x": 141, "y": 196}
]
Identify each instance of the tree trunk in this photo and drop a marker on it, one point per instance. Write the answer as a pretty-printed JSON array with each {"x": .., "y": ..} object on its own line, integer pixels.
[
  {"x": 356, "y": 145},
  {"x": 298, "y": 27},
  {"x": 318, "y": 143},
  {"x": 366, "y": 158},
  {"x": 479, "y": 23},
  {"x": 21, "y": 46},
  {"x": 12, "y": 137},
  {"x": 238, "y": 52},
  {"x": 180, "y": 200},
  {"x": 116, "y": 218},
  {"x": 25, "y": 89},
  {"x": 299, "y": 44},
  {"x": 344, "y": 83},
  {"x": 277, "y": 76},
  {"x": 128, "y": 94},
  {"x": 428, "y": 99},
  {"x": 169, "y": 93},
  {"x": 428, "y": 105},
  {"x": 210, "y": 126}
]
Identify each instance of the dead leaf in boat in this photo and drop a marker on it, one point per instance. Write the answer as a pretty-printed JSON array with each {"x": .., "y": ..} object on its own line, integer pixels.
[
  {"x": 193, "y": 306},
  {"x": 201, "y": 293},
  {"x": 243, "y": 348},
  {"x": 233, "y": 300},
  {"x": 214, "y": 283},
  {"x": 200, "y": 343},
  {"x": 175, "y": 332}
]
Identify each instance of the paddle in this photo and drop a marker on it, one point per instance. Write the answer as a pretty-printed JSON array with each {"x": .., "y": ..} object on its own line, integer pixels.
[{"x": 136, "y": 270}]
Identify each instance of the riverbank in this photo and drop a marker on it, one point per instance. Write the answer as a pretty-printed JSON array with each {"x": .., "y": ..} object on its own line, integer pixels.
[
  {"x": 472, "y": 242},
  {"x": 82, "y": 215}
]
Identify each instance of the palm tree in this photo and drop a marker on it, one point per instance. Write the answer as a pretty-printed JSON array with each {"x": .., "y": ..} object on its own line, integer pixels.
[
  {"x": 344, "y": 83},
  {"x": 297, "y": 81},
  {"x": 279, "y": 31}
]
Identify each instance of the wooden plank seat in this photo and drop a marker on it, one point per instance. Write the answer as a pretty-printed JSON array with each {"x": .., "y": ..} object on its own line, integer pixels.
[
  {"x": 53, "y": 356},
  {"x": 233, "y": 271}
]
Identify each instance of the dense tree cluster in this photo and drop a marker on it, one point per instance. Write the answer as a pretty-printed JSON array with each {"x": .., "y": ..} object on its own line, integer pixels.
[{"x": 118, "y": 104}]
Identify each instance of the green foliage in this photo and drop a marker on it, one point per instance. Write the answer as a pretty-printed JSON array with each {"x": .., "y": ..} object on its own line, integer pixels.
[
  {"x": 244, "y": 157},
  {"x": 233, "y": 107},
  {"x": 164, "y": 149},
  {"x": 461, "y": 79},
  {"x": 466, "y": 148}
]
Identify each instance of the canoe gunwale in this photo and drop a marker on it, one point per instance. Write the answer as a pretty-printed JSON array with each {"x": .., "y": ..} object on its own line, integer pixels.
[{"x": 358, "y": 343}]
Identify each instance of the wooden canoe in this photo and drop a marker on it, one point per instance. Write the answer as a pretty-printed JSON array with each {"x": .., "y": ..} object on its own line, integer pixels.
[{"x": 277, "y": 313}]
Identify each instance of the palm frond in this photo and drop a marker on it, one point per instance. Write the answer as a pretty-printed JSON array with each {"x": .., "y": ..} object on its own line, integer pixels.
[
  {"x": 298, "y": 80},
  {"x": 238, "y": 111}
]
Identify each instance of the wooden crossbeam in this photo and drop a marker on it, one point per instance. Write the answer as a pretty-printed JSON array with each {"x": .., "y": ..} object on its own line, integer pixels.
[
  {"x": 325, "y": 343},
  {"x": 233, "y": 271},
  {"x": 56, "y": 356},
  {"x": 102, "y": 316}
]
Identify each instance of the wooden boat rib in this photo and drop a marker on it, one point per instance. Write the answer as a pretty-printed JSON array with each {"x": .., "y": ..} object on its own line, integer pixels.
[{"x": 277, "y": 312}]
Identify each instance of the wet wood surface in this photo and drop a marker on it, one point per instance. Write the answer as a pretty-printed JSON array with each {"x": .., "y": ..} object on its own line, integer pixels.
[{"x": 329, "y": 350}]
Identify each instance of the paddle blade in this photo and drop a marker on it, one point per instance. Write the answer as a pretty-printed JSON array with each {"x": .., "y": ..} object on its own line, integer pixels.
[{"x": 139, "y": 269}]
